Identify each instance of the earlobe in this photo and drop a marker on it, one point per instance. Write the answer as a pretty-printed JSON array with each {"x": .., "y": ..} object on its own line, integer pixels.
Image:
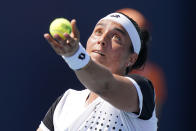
[
  {"x": 132, "y": 59},
  {"x": 128, "y": 64}
]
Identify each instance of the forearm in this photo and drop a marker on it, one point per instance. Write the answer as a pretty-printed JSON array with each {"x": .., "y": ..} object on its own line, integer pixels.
[
  {"x": 113, "y": 88},
  {"x": 95, "y": 77}
]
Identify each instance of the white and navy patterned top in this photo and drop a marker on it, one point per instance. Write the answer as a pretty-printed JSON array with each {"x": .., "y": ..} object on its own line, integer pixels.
[{"x": 68, "y": 110}]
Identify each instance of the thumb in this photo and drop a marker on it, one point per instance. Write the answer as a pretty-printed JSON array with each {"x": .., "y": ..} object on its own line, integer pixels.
[{"x": 75, "y": 32}]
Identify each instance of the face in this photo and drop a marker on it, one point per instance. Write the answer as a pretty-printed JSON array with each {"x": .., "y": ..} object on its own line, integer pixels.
[{"x": 109, "y": 45}]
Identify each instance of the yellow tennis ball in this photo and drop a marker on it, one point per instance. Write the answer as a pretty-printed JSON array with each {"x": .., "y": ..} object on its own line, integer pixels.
[{"x": 60, "y": 26}]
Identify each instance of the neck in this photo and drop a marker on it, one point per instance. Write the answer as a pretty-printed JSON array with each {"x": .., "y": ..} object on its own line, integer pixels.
[{"x": 92, "y": 96}]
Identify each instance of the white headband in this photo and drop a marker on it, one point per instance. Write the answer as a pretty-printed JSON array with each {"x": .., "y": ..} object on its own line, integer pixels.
[{"x": 129, "y": 27}]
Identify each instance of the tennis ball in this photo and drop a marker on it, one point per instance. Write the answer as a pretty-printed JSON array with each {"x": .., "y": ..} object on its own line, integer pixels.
[{"x": 60, "y": 26}]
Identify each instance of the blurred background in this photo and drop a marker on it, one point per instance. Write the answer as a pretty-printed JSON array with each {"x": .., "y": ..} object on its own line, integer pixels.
[{"x": 32, "y": 76}]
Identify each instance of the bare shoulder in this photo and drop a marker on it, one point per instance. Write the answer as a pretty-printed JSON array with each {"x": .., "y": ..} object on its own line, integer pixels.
[{"x": 39, "y": 129}]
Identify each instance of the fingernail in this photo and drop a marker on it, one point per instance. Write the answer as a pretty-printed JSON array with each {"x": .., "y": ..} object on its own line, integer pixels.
[
  {"x": 66, "y": 35},
  {"x": 46, "y": 36},
  {"x": 56, "y": 35}
]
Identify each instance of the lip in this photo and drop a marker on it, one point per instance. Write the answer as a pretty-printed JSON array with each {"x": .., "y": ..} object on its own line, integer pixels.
[{"x": 98, "y": 52}]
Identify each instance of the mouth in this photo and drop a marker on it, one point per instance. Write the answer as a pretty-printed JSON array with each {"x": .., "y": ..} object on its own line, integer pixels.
[{"x": 98, "y": 52}]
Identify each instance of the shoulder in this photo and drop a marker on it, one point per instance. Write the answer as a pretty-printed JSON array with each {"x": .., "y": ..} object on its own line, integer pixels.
[
  {"x": 141, "y": 80},
  {"x": 143, "y": 83},
  {"x": 146, "y": 95},
  {"x": 59, "y": 102},
  {"x": 71, "y": 96}
]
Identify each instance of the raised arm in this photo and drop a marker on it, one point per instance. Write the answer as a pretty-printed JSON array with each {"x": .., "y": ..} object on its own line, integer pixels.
[{"x": 116, "y": 89}]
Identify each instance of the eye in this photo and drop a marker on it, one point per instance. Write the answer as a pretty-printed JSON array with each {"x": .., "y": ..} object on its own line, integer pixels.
[
  {"x": 98, "y": 32},
  {"x": 116, "y": 37}
]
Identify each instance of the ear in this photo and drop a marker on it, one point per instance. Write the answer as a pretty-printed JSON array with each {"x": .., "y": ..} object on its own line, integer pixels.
[{"x": 132, "y": 59}]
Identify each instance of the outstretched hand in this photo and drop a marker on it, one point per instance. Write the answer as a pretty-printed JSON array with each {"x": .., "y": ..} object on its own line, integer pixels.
[{"x": 66, "y": 47}]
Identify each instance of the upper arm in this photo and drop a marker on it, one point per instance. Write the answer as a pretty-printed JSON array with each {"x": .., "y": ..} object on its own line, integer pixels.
[
  {"x": 148, "y": 94},
  {"x": 117, "y": 90},
  {"x": 134, "y": 94},
  {"x": 121, "y": 93}
]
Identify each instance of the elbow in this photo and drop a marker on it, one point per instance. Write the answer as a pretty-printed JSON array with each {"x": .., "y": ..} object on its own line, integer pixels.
[
  {"x": 105, "y": 87},
  {"x": 102, "y": 90}
]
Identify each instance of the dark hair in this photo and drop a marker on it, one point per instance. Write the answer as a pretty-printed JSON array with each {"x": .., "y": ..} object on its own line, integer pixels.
[{"x": 144, "y": 37}]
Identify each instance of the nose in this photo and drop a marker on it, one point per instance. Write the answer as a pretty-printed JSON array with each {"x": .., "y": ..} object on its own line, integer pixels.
[
  {"x": 103, "y": 40},
  {"x": 101, "y": 43}
]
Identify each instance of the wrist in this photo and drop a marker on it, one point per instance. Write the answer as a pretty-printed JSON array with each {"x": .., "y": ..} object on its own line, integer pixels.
[
  {"x": 72, "y": 52},
  {"x": 79, "y": 59}
]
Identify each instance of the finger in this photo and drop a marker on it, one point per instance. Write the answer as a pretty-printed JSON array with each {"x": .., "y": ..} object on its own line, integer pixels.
[
  {"x": 75, "y": 32},
  {"x": 58, "y": 38},
  {"x": 49, "y": 38},
  {"x": 68, "y": 39},
  {"x": 51, "y": 41}
]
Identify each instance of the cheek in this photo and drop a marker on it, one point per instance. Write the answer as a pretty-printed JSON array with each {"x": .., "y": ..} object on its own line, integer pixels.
[
  {"x": 92, "y": 39},
  {"x": 89, "y": 44},
  {"x": 119, "y": 55}
]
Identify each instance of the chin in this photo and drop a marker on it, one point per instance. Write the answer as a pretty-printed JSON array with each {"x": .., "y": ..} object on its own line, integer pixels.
[{"x": 98, "y": 59}]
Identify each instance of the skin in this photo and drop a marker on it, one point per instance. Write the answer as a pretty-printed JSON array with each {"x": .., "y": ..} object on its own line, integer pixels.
[
  {"x": 111, "y": 40},
  {"x": 158, "y": 79},
  {"x": 109, "y": 49}
]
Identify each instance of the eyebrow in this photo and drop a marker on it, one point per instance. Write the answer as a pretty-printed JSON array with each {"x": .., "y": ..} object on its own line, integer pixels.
[
  {"x": 120, "y": 30},
  {"x": 117, "y": 29},
  {"x": 102, "y": 24}
]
